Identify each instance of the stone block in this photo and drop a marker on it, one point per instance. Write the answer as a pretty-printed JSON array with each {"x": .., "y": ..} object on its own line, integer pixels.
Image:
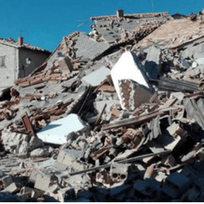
[
  {"x": 33, "y": 176},
  {"x": 12, "y": 188},
  {"x": 194, "y": 65},
  {"x": 42, "y": 182},
  {"x": 39, "y": 153},
  {"x": 69, "y": 158}
]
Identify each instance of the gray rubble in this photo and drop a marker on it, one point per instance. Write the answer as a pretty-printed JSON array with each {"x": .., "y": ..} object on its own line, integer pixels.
[{"x": 109, "y": 116}]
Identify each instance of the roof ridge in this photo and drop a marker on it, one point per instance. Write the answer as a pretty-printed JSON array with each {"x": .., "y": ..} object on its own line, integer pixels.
[
  {"x": 140, "y": 15},
  {"x": 13, "y": 43}
]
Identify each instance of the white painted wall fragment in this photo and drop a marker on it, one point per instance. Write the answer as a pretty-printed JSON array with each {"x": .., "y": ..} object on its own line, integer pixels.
[
  {"x": 57, "y": 131},
  {"x": 129, "y": 67}
]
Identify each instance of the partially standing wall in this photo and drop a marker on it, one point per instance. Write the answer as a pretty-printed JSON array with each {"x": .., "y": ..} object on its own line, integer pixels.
[{"x": 8, "y": 65}]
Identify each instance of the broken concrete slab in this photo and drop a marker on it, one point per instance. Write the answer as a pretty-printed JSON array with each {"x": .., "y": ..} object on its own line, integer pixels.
[
  {"x": 42, "y": 182},
  {"x": 96, "y": 77},
  {"x": 98, "y": 105},
  {"x": 129, "y": 67},
  {"x": 12, "y": 188},
  {"x": 58, "y": 132},
  {"x": 69, "y": 158},
  {"x": 153, "y": 61}
]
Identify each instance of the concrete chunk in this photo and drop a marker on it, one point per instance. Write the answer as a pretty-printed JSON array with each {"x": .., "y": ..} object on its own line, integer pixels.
[
  {"x": 39, "y": 153},
  {"x": 119, "y": 173},
  {"x": 33, "y": 176},
  {"x": 26, "y": 190},
  {"x": 96, "y": 77},
  {"x": 69, "y": 158},
  {"x": 59, "y": 131},
  {"x": 12, "y": 188},
  {"x": 6, "y": 181},
  {"x": 200, "y": 61},
  {"x": 129, "y": 67},
  {"x": 42, "y": 182},
  {"x": 98, "y": 105},
  {"x": 152, "y": 64}
]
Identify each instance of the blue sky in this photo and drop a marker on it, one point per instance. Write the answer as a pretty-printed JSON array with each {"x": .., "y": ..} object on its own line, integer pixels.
[{"x": 43, "y": 23}]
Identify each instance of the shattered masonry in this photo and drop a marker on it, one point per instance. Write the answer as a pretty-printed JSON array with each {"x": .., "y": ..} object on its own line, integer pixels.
[{"x": 115, "y": 115}]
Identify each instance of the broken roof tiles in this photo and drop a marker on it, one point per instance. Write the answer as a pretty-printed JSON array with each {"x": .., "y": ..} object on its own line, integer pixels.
[
  {"x": 87, "y": 48},
  {"x": 174, "y": 33}
]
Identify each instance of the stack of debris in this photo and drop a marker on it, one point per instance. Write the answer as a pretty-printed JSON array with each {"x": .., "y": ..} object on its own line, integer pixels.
[{"x": 109, "y": 116}]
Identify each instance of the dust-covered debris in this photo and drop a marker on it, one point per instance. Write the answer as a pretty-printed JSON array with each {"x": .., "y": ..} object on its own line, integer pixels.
[{"x": 115, "y": 115}]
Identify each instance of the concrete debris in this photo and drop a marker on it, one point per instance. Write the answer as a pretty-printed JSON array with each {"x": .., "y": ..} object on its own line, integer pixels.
[
  {"x": 42, "y": 182},
  {"x": 153, "y": 62},
  {"x": 12, "y": 188},
  {"x": 62, "y": 130},
  {"x": 134, "y": 71},
  {"x": 116, "y": 115},
  {"x": 96, "y": 77}
]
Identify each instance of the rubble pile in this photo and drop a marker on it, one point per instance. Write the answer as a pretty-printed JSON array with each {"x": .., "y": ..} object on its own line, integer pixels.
[{"x": 116, "y": 115}]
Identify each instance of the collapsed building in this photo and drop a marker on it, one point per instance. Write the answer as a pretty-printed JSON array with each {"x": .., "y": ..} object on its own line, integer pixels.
[{"x": 115, "y": 115}]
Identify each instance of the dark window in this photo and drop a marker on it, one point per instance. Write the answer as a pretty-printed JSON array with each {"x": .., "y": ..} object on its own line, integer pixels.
[{"x": 2, "y": 61}]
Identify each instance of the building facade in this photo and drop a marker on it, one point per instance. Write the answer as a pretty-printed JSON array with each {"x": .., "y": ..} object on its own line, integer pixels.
[{"x": 18, "y": 60}]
